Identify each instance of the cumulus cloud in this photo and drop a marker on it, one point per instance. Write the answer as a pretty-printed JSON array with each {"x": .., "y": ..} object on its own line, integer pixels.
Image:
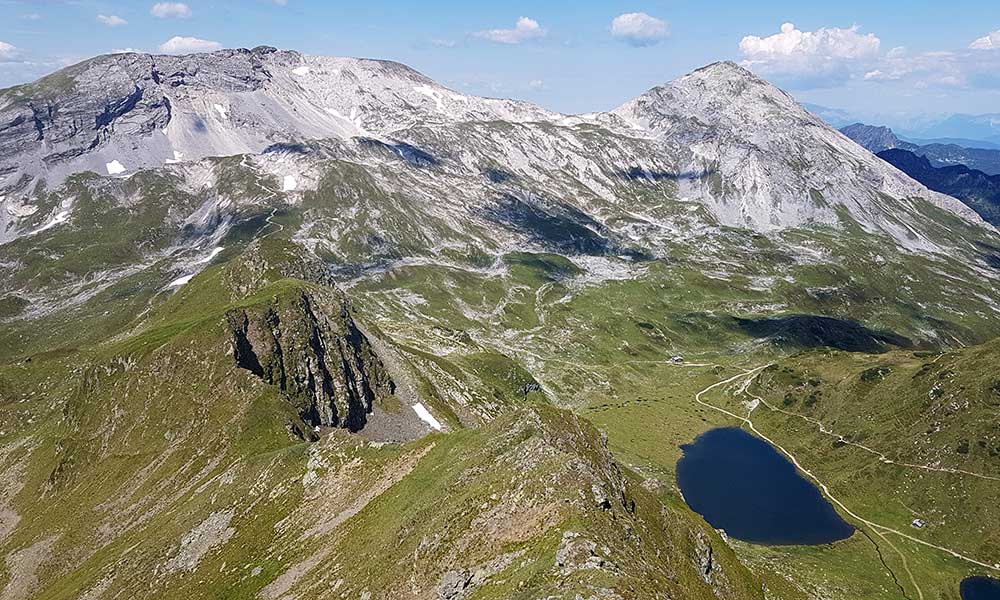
[
  {"x": 639, "y": 29},
  {"x": 188, "y": 45},
  {"x": 536, "y": 84},
  {"x": 990, "y": 41},
  {"x": 524, "y": 29},
  {"x": 112, "y": 20},
  {"x": 811, "y": 58},
  {"x": 830, "y": 56},
  {"x": 7, "y": 51},
  {"x": 170, "y": 10}
]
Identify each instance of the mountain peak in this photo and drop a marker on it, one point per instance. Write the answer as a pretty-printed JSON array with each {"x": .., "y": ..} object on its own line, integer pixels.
[
  {"x": 875, "y": 138},
  {"x": 767, "y": 149},
  {"x": 724, "y": 68},
  {"x": 147, "y": 111}
]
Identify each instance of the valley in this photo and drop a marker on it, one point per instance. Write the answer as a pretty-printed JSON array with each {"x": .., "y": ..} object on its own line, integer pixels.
[{"x": 359, "y": 335}]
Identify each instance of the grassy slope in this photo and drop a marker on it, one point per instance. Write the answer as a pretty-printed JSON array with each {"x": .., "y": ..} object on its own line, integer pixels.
[
  {"x": 138, "y": 454},
  {"x": 477, "y": 335},
  {"x": 942, "y": 409}
]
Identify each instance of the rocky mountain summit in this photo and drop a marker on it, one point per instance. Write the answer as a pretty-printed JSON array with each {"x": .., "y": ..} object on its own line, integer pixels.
[
  {"x": 125, "y": 112},
  {"x": 763, "y": 150},
  {"x": 874, "y": 138}
]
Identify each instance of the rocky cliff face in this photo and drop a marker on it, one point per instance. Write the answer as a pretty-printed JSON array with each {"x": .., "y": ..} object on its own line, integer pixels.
[
  {"x": 312, "y": 350},
  {"x": 120, "y": 113}
]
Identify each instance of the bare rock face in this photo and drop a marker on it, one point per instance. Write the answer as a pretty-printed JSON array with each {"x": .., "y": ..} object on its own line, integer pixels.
[
  {"x": 112, "y": 105},
  {"x": 120, "y": 113},
  {"x": 308, "y": 345}
]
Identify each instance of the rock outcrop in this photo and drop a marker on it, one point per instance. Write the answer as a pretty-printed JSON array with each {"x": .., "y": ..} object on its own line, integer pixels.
[{"x": 308, "y": 345}]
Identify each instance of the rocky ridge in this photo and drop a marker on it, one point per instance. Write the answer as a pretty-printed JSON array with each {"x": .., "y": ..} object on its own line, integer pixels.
[{"x": 725, "y": 139}]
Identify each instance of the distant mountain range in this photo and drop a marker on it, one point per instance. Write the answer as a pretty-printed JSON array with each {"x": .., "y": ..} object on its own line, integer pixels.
[
  {"x": 973, "y": 144},
  {"x": 978, "y": 190},
  {"x": 978, "y": 127},
  {"x": 879, "y": 138},
  {"x": 970, "y": 131}
]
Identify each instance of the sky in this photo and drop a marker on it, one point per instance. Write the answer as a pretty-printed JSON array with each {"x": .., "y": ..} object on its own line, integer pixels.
[{"x": 870, "y": 57}]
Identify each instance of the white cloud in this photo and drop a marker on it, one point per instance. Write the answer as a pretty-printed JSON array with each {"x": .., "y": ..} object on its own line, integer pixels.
[
  {"x": 639, "y": 29},
  {"x": 442, "y": 43},
  {"x": 962, "y": 69},
  {"x": 31, "y": 17},
  {"x": 524, "y": 29},
  {"x": 536, "y": 84},
  {"x": 7, "y": 51},
  {"x": 188, "y": 45},
  {"x": 990, "y": 41},
  {"x": 112, "y": 20},
  {"x": 925, "y": 67},
  {"x": 811, "y": 58},
  {"x": 168, "y": 10}
]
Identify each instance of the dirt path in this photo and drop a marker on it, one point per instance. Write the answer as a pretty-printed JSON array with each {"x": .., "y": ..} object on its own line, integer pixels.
[{"x": 882, "y": 457}]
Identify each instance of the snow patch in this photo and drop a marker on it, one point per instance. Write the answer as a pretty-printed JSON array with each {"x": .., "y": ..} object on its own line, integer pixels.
[
  {"x": 176, "y": 159},
  {"x": 180, "y": 281},
  {"x": 215, "y": 252},
  {"x": 426, "y": 416},
  {"x": 221, "y": 110},
  {"x": 62, "y": 217},
  {"x": 301, "y": 71},
  {"x": 289, "y": 184},
  {"x": 432, "y": 94},
  {"x": 114, "y": 167}
]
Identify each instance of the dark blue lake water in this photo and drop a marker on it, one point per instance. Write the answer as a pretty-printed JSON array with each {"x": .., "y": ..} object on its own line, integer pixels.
[
  {"x": 980, "y": 588},
  {"x": 739, "y": 483}
]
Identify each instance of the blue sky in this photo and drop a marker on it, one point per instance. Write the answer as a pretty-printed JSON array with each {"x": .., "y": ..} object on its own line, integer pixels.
[{"x": 871, "y": 57}]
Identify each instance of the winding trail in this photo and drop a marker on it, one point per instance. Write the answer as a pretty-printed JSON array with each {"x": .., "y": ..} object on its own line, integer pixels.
[
  {"x": 882, "y": 457},
  {"x": 269, "y": 221},
  {"x": 877, "y": 528}
]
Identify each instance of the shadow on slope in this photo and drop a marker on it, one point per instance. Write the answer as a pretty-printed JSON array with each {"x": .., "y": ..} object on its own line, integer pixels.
[
  {"x": 558, "y": 226},
  {"x": 408, "y": 152},
  {"x": 640, "y": 174},
  {"x": 812, "y": 331}
]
